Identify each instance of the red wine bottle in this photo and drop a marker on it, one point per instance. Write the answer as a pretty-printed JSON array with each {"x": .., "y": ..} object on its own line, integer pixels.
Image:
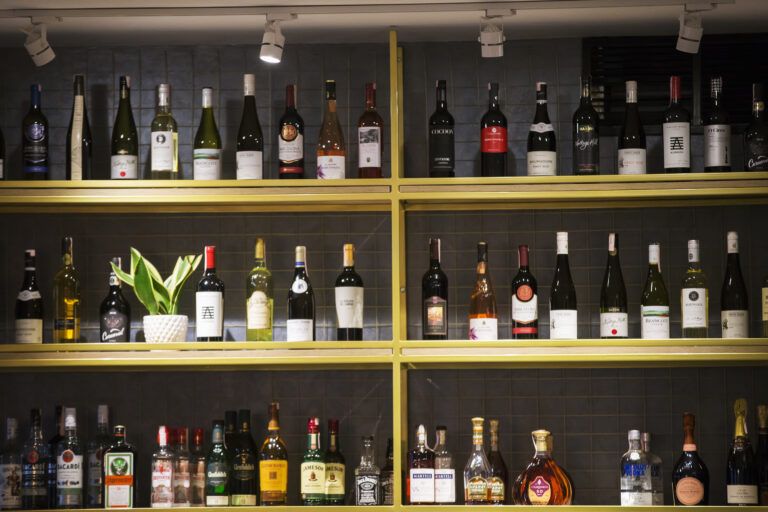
[
  {"x": 441, "y": 143},
  {"x": 434, "y": 296},
  {"x": 290, "y": 140},
  {"x": 525, "y": 301},
  {"x": 676, "y": 132},
  {"x": 493, "y": 136}
]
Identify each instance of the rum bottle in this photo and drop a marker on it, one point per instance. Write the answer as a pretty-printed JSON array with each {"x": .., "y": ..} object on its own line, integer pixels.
[{"x": 69, "y": 465}]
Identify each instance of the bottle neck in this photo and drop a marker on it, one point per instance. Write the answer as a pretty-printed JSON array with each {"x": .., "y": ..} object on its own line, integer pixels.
[
  {"x": 434, "y": 254},
  {"x": 313, "y": 441},
  {"x": 441, "y": 99},
  {"x": 290, "y": 98},
  {"x": 542, "y": 116},
  {"x": 758, "y": 110},
  {"x": 635, "y": 446},
  {"x": 367, "y": 455},
  {"x": 102, "y": 428},
  {"x": 370, "y": 98},
  {"x": 586, "y": 94},
  {"x": 30, "y": 277},
  {"x": 333, "y": 441},
  {"x": 493, "y": 99},
  {"x": 34, "y": 103},
  {"x": 494, "y": 441}
]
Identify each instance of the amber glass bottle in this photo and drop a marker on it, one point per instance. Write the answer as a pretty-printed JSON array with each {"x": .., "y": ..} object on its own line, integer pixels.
[{"x": 543, "y": 482}]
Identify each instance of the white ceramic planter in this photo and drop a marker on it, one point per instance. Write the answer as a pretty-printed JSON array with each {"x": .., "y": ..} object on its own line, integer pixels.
[{"x": 165, "y": 328}]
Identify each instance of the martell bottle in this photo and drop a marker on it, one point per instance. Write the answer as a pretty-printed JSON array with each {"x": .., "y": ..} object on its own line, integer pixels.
[
  {"x": 632, "y": 146},
  {"x": 434, "y": 297},
  {"x": 34, "y": 139},
  {"x": 370, "y": 137},
  {"x": 563, "y": 315},
  {"x": 690, "y": 478},
  {"x": 543, "y": 482},
  {"x": 756, "y": 134},
  {"x": 331, "y": 152},
  {"x": 290, "y": 140},
  {"x": 335, "y": 467},
  {"x": 120, "y": 472},
  {"x": 349, "y": 295},
  {"x": 734, "y": 312},
  {"x": 493, "y": 136},
  {"x": 161, "y": 495},
  {"x": 79, "y": 142},
  {"x": 586, "y": 134},
  {"x": 717, "y": 131},
  {"x": 497, "y": 482},
  {"x": 209, "y": 301},
  {"x": 115, "y": 312},
  {"x": 525, "y": 301},
  {"x": 676, "y": 132},
  {"x": 694, "y": 296},
  {"x": 69, "y": 465},
  {"x": 483, "y": 321},
  {"x": 614, "y": 321},
  {"x": 249, "y": 157},
  {"x": 542, "y": 145},
  {"x": 313, "y": 467},
  {"x": 29, "y": 304},
  {"x": 273, "y": 463},
  {"x": 124, "y": 162},
  {"x": 445, "y": 473},
  {"x": 420, "y": 485},
  {"x": 477, "y": 471},
  {"x": 164, "y": 151},
  {"x": 742, "y": 478},
  {"x": 441, "y": 138}
]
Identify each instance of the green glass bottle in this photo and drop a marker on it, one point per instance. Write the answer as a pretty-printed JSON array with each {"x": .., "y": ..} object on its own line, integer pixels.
[
  {"x": 654, "y": 305},
  {"x": 165, "y": 138},
  {"x": 694, "y": 296},
  {"x": 313, "y": 467},
  {"x": 335, "y": 467},
  {"x": 614, "y": 319},
  {"x": 125, "y": 139},
  {"x": 259, "y": 298},
  {"x": 206, "y": 163},
  {"x": 217, "y": 469},
  {"x": 79, "y": 147},
  {"x": 250, "y": 141},
  {"x": 66, "y": 298}
]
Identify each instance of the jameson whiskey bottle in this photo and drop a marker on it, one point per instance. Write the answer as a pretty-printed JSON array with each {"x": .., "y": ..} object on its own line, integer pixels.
[
  {"x": 334, "y": 467},
  {"x": 313, "y": 467}
]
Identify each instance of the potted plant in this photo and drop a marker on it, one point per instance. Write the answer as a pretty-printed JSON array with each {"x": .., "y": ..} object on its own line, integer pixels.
[{"x": 161, "y": 297}]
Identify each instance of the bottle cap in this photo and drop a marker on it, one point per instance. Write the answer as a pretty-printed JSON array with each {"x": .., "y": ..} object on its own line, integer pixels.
[
  {"x": 301, "y": 256},
  {"x": 119, "y": 431},
  {"x": 70, "y": 417},
  {"x": 102, "y": 414},
  {"x": 207, "y": 97},
  {"x": 733, "y": 242},
  {"x": 633, "y": 435},
  {"x": 693, "y": 251},
  {"x": 249, "y": 85},
  {"x": 562, "y": 242}
]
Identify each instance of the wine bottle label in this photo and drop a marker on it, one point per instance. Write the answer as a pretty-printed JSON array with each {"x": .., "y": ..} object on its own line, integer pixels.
[
  {"x": 35, "y": 149},
  {"x": 654, "y": 322},
  {"x": 542, "y": 127},
  {"x": 258, "y": 312},
  {"x": 539, "y": 491},
  {"x": 27, "y": 295},
  {"x": 435, "y": 316},
  {"x": 334, "y": 479},
  {"x": 162, "y": 484},
  {"x": 614, "y": 325},
  {"x": 76, "y": 141},
  {"x": 10, "y": 486},
  {"x": 114, "y": 327},
  {"x": 216, "y": 501},
  {"x": 290, "y": 145},
  {"x": 677, "y": 145},
  {"x": 764, "y": 296},
  {"x": 124, "y": 167},
  {"x": 483, "y": 329},
  {"x": 756, "y": 157},
  {"x": 525, "y": 310},
  {"x": 29, "y": 330},
  {"x": 563, "y": 324},
  {"x": 441, "y": 148},
  {"x": 249, "y": 165},
  {"x": 209, "y": 314},
  {"x": 542, "y": 163},
  {"x": 689, "y": 491},
  {"x": 638, "y": 499},
  {"x": 493, "y": 139},
  {"x": 717, "y": 145},
  {"x": 735, "y": 323},
  {"x": 69, "y": 479},
  {"x": 300, "y": 329},
  {"x": 445, "y": 486},
  {"x": 367, "y": 490},
  {"x": 331, "y": 167},
  {"x": 349, "y": 307},
  {"x": 162, "y": 151},
  {"x": 694, "y": 307},
  {"x": 422, "y": 482},
  {"x": 206, "y": 164},
  {"x": 369, "y": 146},
  {"x": 586, "y": 150},
  {"x": 118, "y": 480},
  {"x": 742, "y": 494},
  {"x": 632, "y": 161},
  {"x": 273, "y": 475},
  {"x": 496, "y": 486},
  {"x": 313, "y": 478}
]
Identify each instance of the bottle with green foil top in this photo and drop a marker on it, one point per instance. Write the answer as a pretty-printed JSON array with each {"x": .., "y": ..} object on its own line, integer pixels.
[
  {"x": 313, "y": 467},
  {"x": 207, "y": 145},
  {"x": 125, "y": 140},
  {"x": 217, "y": 469},
  {"x": 259, "y": 298},
  {"x": 334, "y": 467},
  {"x": 654, "y": 305}
]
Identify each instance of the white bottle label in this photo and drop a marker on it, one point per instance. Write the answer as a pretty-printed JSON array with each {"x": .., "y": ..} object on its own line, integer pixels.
[
  {"x": 369, "y": 146},
  {"x": 563, "y": 324},
  {"x": 445, "y": 486},
  {"x": 525, "y": 311},
  {"x": 290, "y": 150},
  {"x": 2, "y": 175},
  {"x": 483, "y": 329},
  {"x": 300, "y": 329},
  {"x": 330, "y": 167},
  {"x": 764, "y": 295},
  {"x": 542, "y": 163},
  {"x": 119, "y": 479},
  {"x": 162, "y": 484},
  {"x": 76, "y": 140},
  {"x": 642, "y": 499},
  {"x": 735, "y": 323},
  {"x": 249, "y": 165},
  {"x": 632, "y": 161},
  {"x": 69, "y": 470},
  {"x": 742, "y": 494},
  {"x": 206, "y": 164},
  {"x": 209, "y": 307},
  {"x": 25, "y": 295},
  {"x": 162, "y": 151},
  {"x": 422, "y": 485},
  {"x": 29, "y": 330},
  {"x": 654, "y": 322},
  {"x": 614, "y": 325},
  {"x": 694, "y": 307},
  {"x": 257, "y": 313},
  {"x": 349, "y": 307},
  {"x": 10, "y": 486},
  {"x": 677, "y": 145},
  {"x": 217, "y": 501},
  {"x": 717, "y": 145},
  {"x": 124, "y": 167}
]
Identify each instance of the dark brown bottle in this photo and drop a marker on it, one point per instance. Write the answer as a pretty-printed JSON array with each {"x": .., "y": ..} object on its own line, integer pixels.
[
  {"x": 497, "y": 483},
  {"x": 420, "y": 489},
  {"x": 370, "y": 137},
  {"x": 690, "y": 479}
]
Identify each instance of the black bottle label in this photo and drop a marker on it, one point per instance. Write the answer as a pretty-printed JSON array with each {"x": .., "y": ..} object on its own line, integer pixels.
[
  {"x": 114, "y": 327},
  {"x": 441, "y": 150},
  {"x": 757, "y": 154},
  {"x": 35, "y": 149},
  {"x": 586, "y": 150}
]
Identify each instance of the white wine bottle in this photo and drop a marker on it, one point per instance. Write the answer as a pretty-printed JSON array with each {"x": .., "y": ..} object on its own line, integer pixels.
[
  {"x": 694, "y": 296},
  {"x": 250, "y": 141},
  {"x": 125, "y": 139},
  {"x": 614, "y": 320},
  {"x": 563, "y": 315},
  {"x": 165, "y": 138},
  {"x": 259, "y": 298},
  {"x": 734, "y": 312},
  {"x": 654, "y": 305},
  {"x": 206, "y": 164}
]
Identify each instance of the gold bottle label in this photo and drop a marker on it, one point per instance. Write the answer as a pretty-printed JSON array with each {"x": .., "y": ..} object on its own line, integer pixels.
[
  {"x": 477, "y": 490},
  {"x": 539, "y": 491},
  {"x": 496, "y": 486}
]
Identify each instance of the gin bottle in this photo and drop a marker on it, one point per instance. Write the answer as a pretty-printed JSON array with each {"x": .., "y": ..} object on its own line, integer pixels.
[{"x": 367, "y": 484}]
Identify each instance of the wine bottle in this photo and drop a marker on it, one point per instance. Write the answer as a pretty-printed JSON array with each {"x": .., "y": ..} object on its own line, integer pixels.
[
  {"x": 69, "y": 465},
  {"x": 207, "y": 145},
  {"x": 349, "y": 293},
  {"x": 734, "y": 306},
  {"x": 34, "y": 138},
  {"x": 79, "y": 141},
  {"x": 441, "y": 144},
  {"x": 717, "y": 131},
  {"x": 762, "y": 453},
  {"x": 694, "y": 296},
  {"x": 66, "y": 298},
  {"x": 273, "y": 462},
  {"x": 563, "y": 315},
  {"x": 244, "y": 485},
  {"x": 420, "y": 480},
  {"x": 756, "y": 134},
  {"x": 10, "y": 467},
  {"x": 542, "y": 144},
  {"x": 125, "y": 140},
  {"x": 335, "y": 467},
  {"x": 493, "y": 136},
  {"x": 115, "y": 312},
  {"x": 676, "y": 131},
  {"x": 614, "y": 322},
  {"x": 654, "y": 303},
  {"x": 331, "y": 155},
  {"x": 586, "y": 134},
  {"x": 259, "y": 310},
  {"x": 434, "y": 297},
  {"x": 632, "y": 148},
  {"x": 525, "y": 301},
  {"x": 2, "y": 167},
  {"x": 209, "y": 301},
  {"x": 313, "y": 467},
  {"x": 218, "y": 469},
  {"x": 250, "y": 141},
  {"x": 290, "y": 140},
  {"x": 483, "y": 322},
  {"x": 370, "y": 137},
  {"x": 690, "y": 478},
  {"x": 164, "y": 152},
  {"x": 301, "y": 302},
  {"x": 497, "y": 481},
  {"x": 29, "y": 304},
  {"x": 742, "y": 478}
]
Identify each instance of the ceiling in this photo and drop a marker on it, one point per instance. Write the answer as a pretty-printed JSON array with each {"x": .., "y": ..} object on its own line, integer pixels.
[{"x": 443, "y": 23}]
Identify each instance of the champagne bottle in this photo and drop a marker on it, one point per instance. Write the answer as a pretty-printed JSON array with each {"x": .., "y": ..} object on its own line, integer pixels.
[
  {"x": 66, "y": 298},
  {"x": 165, "y": 138},
  {"x": 349, "y": 299},
  {"x": 586, "y": 134},
  {"x": 207, "y": 146},
  {"x": 741, "y": 473},
  {"x": 250, "y": 141},
  {"x": 563, "y": 315},
  {"x": 717, "y": 131},
  {"x": 370, "y": 139},
  {"x": 290, "y": 141},
  {"x": 331, "y": 154},
  {"x": 441, "y": 138},
  {"x": 301, "y": 302},
  {"x": 690, "y": 478},
  {"x": 79, "y": 142},
  {"x": 209, "y": 301},
  {"x": 676, "y": 131},
  {"x": 734, "y": 312},
  {"x": 525, "y": 300},
  {"x": 29, "y": 304},
  {"x": 434, "y": 297},
  {"x": 756, "y": 134},
  {"x": 654, "y": 304},
  {"x": 34, "y": 139},
  {"x": 542, "y": 145},
  {"x": 493, "y": 136},
  {"x": 259, "y": 310},
  {"x": 483, "y": 321},
  {"x": 614, "y": 321},
  {"x": 694, "y": 296},
  {"x": 125, "y": 139},
  {"x": 632, "y": 146}
]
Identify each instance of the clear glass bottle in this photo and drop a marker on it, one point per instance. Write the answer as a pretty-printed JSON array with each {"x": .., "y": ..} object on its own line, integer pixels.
[
  {"x": 164, "y": 154},
  {"x": 95, "y": 454},
  {"x": 35, "y": 455},
  {"x": 420, "y": 485},
  {"x": 120, "y": 472},
  {"x": 367, "y": 476},
  {"x": 182, "y": 483},
  {"x": 69, "y": 465},
  {"x": 694, "y": 296},
  {"x": 636, "y": 485},
  {"x": 66, "y": 298},
  {"x": 260, "y": 298},
  {"x": 445, "y": 473},
  {"x": 162, "y": 472},
  {"x": 657, "y": 474},
  {"x": 197, "y": 469},
  {"x": 10, "y": 468},
  {"x": 477, "y": 471}
]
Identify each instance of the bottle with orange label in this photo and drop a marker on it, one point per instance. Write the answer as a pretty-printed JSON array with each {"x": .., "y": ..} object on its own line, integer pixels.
[
  {"x": 120, "y": 472},
  {"x": 273, "y": 463},
  {"x": 543, "y": 482},
  {"x": 525, "y": 301},
  {"x": 690, "y": 479}
]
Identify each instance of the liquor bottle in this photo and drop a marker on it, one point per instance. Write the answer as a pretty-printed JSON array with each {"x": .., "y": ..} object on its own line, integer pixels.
[
  {"x": 563, "y": 315},
  {"x": 2, "y": 156},
  {"x": 10, "y": 468},
  {"x": 764, "y": 306},
  {"x": 694, "y": 296},
  {"x": 29, "y": 304},
  {"x": 250, "y": 141},
  {"x": 654, "y": 303},
  {"x": 230, "y": 431},
  {"x": 387, "y": 478},
  {"x": 161, "y": 495},
  {"x": 370, "y": 137},
  {"x": 734, "y": 314},
  {"x": 79, "y": 142},
  {"x": 273, "y": 463},
  {"x": 35, "y": 458},
  {"x": 525, "y": 300},
  {"x": 244, "y": 486},
  {"x": 420, "y": 485},
  {"x": 182, "y": 478},
  {"x": 441, "y": 143},
  {"x": 542, "y": 144},
  {"x": 119, "y": 472},
  {"x": 34, "y": 139},
  {"x": 635, "y": 483},
  {"x": 197, "y": 469},
  {"x": 561, "y": 471},
  {"x": 445, "y": 473},
  {"x": 676, "y": 131},
  {"x": 290, "y": 140},
  {"x": 349, "y": 299},
  {"x": 367, "y": 483},
  {"x": 164, "y": 151},
  {"x": 124, "y": 162},
  {"x": 95, "y": 456},
  {"x": 762, "y": 453},
  {"x": 756, "y": 134},
  {"x": 614, "y": 322},
  {"x": 690, "y": 478},
  {"x": 206, "y": 148},
  {"x": 331, "y": 154},
  {"x": 483, "y": 322},
  {"x": 69, "y": 465},
  {"x": 497, "y": 480},
  {"x": 632, "y": 147},
  {"x": 335, "y": 467},
  {"x": 300, "y": 325},
  {"x": 656, "y": 467},
  {"x": 717, "y": 131},
  {"x": 209, "y": 301},
  {"x": 66, "y": 298},
  {"x": 218, "y": 467},
  {"x": 115, "y": 312},
  {"x": 260, "y": 302},
  {"x": 742, "y": 476},
  {"x": 544, "y": 482},
  {"x": 586, "y": 134},
  {"x": 434, "y": 297},
  {"x": 53, "y": 445},
  {"x": 313, "y": 467},
  {"x": 477, "y": 471},
  {"x": 493, "y": 136}
]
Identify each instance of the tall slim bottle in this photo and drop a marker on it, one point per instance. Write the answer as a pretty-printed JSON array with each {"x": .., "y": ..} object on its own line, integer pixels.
[
  {"x": 35, "y": 457},
  {"x": 79, "y": 145},
  {"x": 34, "y": 139},
  {"x": 273, "y": 462},
  {"x": 290, "y": 141},
  {"x": 483, "y": 320},
  {"x": 300, "y": 325},
  {"x": 250, "y": 141},
  {"x": 197, "y": 469},
  {"x": 120, "y": 472},
  {"x": 66, "y": 298},
  {"x": 445, "y": 473},
  {"x": 614, "y": 320},
  {"x": 756, "y": 134},
  {"x": 441, "y": 137},
  {"x": 124, "y": 162},
  {"x": 742, "y": 477},
  {"x": 542, "y": 144},
  {"x": 762, "y": 453},
  {"x": 313, "y": 467},
  {"x": 244, "y": 486},
  {"x": 206, "y": 149},
  {"x": 331, "y": 152},
  {"x": 498, "y": 485},
  {"x": 525, "y": 300},
  {"x": 161, "y": 493},
  {"x": 434, "y": 297},
  {"x": 420, "y": 479},
  {"x": 477, "y": 471},
  {"x": 734, "y": 306},
  {"x": 260, "y": 294},
  {"x": 694, "y": 296},
  {"x": 690, "y": 478},
  {"x": 676, "y": 131},
  {"x": 632, "y": 145},
  {"x": 182, "y": 478},
  {"x": 95, "y": 457},
  {"x": 563, "y": 314},
  {"x": 209, "y": 301},
  {"x": 29, "y": 304},
  {"x": 69, "y": 465},
  {"x": 370, "y": 137},
  {"x": 2, "y": 157},
  {"x": 586, "y": 134},
  {"x": 164, "y": 151},
  {"x": 493, "y": 136},
  {"x": 654, "y": 303},
  {"x": 349, "y": 295},
  {"x": 717, "y": 130},
  {"x": 10, "y": 468},
  {"x": 387, "y": 477},
  {"x": 657, "y": 470},
  {"x": 53, "y": 445},
  {"x": 335, "y": 467}
]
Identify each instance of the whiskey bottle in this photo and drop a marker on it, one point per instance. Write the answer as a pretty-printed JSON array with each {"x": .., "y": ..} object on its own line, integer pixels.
[
  {"x": 420, "y": 487},
  {"x": 742, "y": 479},
  {"x": 477, "y": 471},
  {"x": 313, "y": 467},
  {"x": 762, "y": 453},
  {"x": 197, "y": 469},
  {"x": 656, "y": 466},
  {"x": 182, "y": 478},
  {"x": 69, "y": 465},
  {"x": 95, "y": 456},
  {"x": 244, "y": 485},
  {"x": 334, "y": 467},
  {"x": 636, "y": 486},
  {"x": 497, "y": 483},
  {"x": 35, "y": 455},
  {"x": 387, "y": 478},
  {"x": 543, "y": 482},
  {"x": 273, "y": 462},
  {"x": 690, "y": 478},
  {"x": 367, "y": 476},
  {"x": 445, "y": 474},
  {"x": 10, "y": 468},
  {"x": 161, "y": 495},
  {"x": 119, "y": 472},
  {"x": 230, "y": 431},
  {"x": 218, "y": 469}
]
